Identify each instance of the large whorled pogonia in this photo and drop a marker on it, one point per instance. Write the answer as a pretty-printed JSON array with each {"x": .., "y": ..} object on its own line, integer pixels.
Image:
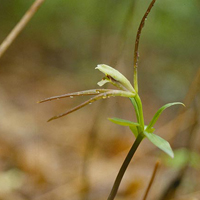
[{"x": 113, "y": 76}]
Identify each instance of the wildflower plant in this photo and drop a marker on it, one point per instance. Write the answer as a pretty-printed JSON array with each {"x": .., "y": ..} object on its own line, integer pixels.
[{"x": 125, "y": 89}]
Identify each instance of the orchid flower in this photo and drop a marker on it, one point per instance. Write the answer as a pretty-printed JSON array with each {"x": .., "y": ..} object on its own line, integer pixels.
[
  {"x": 125, "y": 89},
  {"x": 111, "y": 76}
]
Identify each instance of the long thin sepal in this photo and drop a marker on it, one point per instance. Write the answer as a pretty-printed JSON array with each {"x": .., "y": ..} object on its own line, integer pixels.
[
  {"x": 100, "y": 96},
  {"x": 81, "y": 93},
  {"x": 93, "y": 99}
]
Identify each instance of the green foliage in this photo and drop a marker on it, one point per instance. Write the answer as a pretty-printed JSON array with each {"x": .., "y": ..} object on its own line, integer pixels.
[
  {"x": 158, "y": 113},
  {"x": 135, "y": 107},
  {"x": 148, "y": 131},
  {"x": 134, "y": 130},
  {"x": 182, "y": 158},
  {"x": 132, "y": 125},
  {"x": 160, "y": 143},
  {"x": 123, "y": 122}
]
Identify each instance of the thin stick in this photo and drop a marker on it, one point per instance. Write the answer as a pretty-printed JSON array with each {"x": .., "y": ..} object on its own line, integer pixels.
[
  {"x": 136, "y": 52},
  {"x": 20, "y": 26},
  {"x": 151, "y": 180}
]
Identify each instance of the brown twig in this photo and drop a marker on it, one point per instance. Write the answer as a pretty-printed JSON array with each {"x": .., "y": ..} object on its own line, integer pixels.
[
  {"x": 20, "y": 26},
  {"x": 136, "y": 52},
  {"x": 151, "y": 180},
  {"x": 123, "y": 34},
  {"x": 189, "y": 98}
]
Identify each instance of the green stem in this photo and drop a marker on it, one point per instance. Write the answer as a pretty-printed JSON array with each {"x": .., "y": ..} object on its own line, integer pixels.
[
  {"x": 124, "y": 166},
  {"x": 135, "y": 78},
  {"x": 140, "y": 110},
  {"x": 136, "y": 109}
]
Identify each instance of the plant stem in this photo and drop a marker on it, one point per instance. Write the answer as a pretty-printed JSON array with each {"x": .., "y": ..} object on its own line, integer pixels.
[
  {"x": 124, "y": 166},
  {"x": 140, "y": 110},
  {"x": 136, "y": 52}
]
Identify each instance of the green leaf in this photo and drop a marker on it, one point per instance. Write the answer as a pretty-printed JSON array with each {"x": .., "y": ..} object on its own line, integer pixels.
[
  {"x": 132, "y": 125},
  {"x": 123, "y": 122},
  {"x": 160, "y": 143},
  {"x": 158, "y": 113},
  {"x": 134, "y": 130}
]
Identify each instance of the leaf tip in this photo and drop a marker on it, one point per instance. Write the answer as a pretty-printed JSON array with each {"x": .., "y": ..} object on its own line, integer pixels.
[
  {"x": 51, "y": 119},
  {"x": 172, "y": 154},
  {"x": 180, "y": 103},
  {"x": 41, "y": 101}
]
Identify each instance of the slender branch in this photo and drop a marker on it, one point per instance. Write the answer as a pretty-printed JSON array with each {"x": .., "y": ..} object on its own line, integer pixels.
[
  {"x": 151, "y": 180},
  {"x": 20, "y": 26},
  {"x": 124, "y": 167},
  {"x": 136, "y": 52}
]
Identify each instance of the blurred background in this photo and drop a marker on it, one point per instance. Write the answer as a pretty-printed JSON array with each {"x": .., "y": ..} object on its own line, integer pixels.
[{"x": 78, "y": 156}]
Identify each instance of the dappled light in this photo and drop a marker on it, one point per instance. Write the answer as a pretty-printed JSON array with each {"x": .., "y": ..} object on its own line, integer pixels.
[{"x": 48, "y": 54}]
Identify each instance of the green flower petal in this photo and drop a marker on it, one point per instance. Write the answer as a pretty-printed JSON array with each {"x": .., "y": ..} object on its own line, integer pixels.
[{"x": 116, "y": 75}]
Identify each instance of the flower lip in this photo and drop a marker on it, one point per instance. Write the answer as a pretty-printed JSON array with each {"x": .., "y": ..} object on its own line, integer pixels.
[
  {"x": 115, "y": 75},
  {"x": 103, "y": 81}
]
